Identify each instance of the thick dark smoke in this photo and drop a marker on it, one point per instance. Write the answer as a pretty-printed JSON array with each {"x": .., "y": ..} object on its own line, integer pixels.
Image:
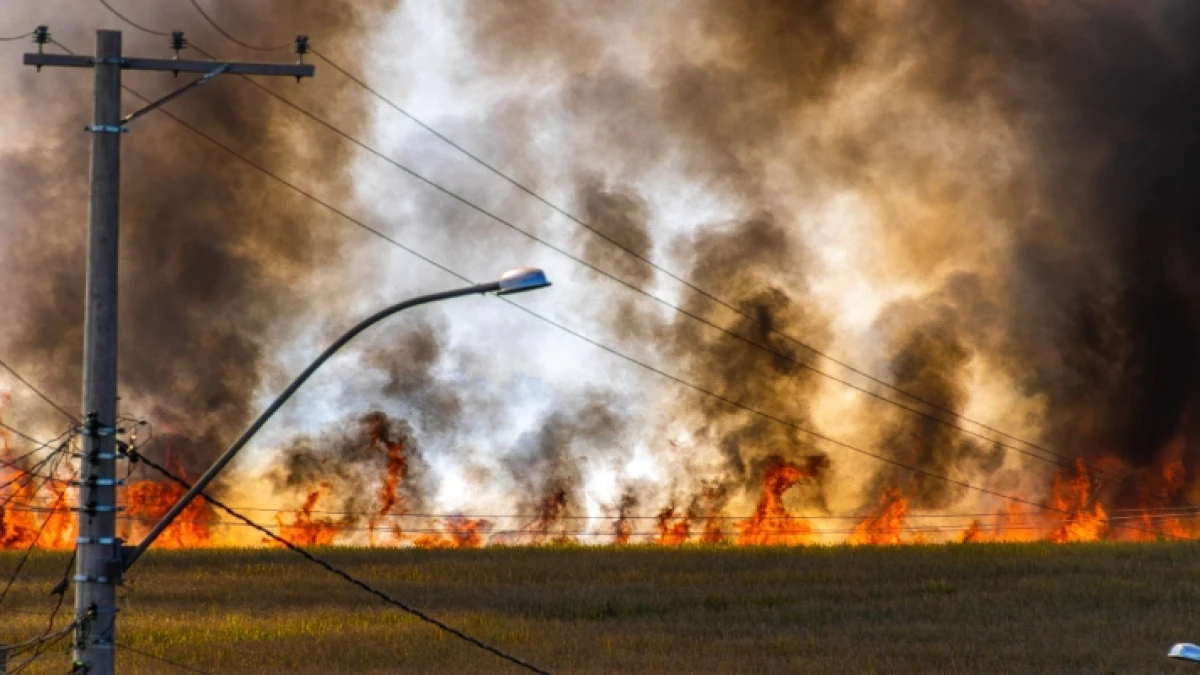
[
  {"x": 349, "y": 465},
  {"x": 1102, "y": 287},
  {"x": 214, "y": 255},
  {"x": 1014, "y": 180},
  {"x": 1089, "y": 305}
]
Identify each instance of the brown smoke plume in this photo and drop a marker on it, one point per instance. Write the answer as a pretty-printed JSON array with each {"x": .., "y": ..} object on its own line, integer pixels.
[
  {"x": 214, "y": 255},
  {"x": 989, "y": 204}
]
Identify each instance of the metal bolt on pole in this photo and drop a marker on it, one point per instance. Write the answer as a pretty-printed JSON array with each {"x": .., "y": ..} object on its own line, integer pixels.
[{"x": 99, "y": 553}]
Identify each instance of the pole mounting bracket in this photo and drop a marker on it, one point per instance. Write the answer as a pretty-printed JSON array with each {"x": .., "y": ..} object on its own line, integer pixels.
[{"x": 178, "y": 92}]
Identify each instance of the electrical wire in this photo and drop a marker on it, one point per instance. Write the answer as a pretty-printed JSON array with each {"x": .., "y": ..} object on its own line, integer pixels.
[
  {"x": 692, "y": 286},
  {"x": 579, "y": 221},
  {"x": 42, "y": 649},
  {"x": 41, "y": 639},
  {"x": 22, "y": 434},
  {"x": 610, "y": 350},
  {"x": 1061, "y": 462},
  {"x": 16, "y": 37},
  {"x": 31, "y": 474},
  {"x": 131, "y": 23},
  {"x": 730, "y": 402},
  {"x": 37, "y": 536},
  {"x": 236, "y": 41},
  {"x": 43, "y": 396},
  {"x": 12, "y": 463},
  {"x": 580, "y": 261},
  {"x": 346, "y": 576},
  {"x": 1162, "y": 511},
  {"x": 156, "y": 657}
]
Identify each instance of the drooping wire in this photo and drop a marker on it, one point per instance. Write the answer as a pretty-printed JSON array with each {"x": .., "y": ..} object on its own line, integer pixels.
[
  {"x": 24, "y": 482},
  {"x": 43, "y": 647},
  {"x": 27, "y": 475},
  {"x": 41, "y": 530},
  {"x": 131, "y": 23},
  {"x": 12, "y": 463},
  {"x": 690, "y": 285},
  {"x": 43, "y": 396},
  {"x": 156, "y": 657},
  {"x": 347, "y": 576},
  {"x": 618, "y": 354},
  {"x": 16, "y": 37},
  {"x": 231, "y": 38},
  {"x": 21, "y": 434}
]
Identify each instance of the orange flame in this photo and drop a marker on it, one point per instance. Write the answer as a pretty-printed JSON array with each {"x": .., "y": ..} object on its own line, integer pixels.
[
  {"x": 885, "y": 525},
  {"x": 672, "y": 530},
  {"x": 771, "y": 523},
  {"x": 304, "y": 530},
  {"x": 460, "y": 533},
  {"x": 147, "y": 501},
  {"x": 1076, "y": 496}
]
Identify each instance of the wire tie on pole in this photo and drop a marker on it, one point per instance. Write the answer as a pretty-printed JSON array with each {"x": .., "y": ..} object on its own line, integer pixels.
[
  {"x": 95, "y": 457},
  {"x": 106, "y": 128},
  {"x": 93, "y": 481},
  {"x": 92, "y": 508}
]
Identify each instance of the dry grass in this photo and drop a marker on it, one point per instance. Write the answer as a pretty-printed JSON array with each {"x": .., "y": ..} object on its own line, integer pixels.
[{"x": 937, "y": 609}]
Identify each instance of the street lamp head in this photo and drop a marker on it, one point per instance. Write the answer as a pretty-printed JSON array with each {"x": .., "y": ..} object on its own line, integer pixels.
[
  {"x": 522, "y": 279},
  {"x": 1185, "y": 652}
]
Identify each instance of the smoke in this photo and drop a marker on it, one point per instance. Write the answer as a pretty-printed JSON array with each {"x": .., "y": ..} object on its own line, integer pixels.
[
  {"x": 214, "y": 255},
  {"x": 981, "y": 202},
  {"x": 990, "y": 205}
]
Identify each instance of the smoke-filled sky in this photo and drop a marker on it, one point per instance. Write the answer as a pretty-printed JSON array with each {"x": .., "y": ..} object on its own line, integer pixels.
[{"x": 989, "y": 204}]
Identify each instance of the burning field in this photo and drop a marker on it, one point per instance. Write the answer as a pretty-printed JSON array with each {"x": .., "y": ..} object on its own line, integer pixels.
[
  {"x": 328, "y": 479},
  {"x": 875, "y": 273}
]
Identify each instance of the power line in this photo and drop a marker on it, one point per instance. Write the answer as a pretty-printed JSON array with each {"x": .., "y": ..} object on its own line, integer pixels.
[
  {"x": 696, "y": 317},
  {"x": 730, "y": 306},
  {"x": 614, "y": 352},
  {"x": 16, "y": 37},
  {"x": 27, "y": 477},
  {"x": 37, "y": 391},
  {"x": 12, "y": 463},
  {"x": 22, "y": 434},
  {"x": 222, "y": 31},
  {"x": 1163, "y": 511},
  {"x": 37, "y": 536},
  {"x": 42, "y": 651},
  {"x": 353, "y": 580},
  {"x": 637, "y": 289},
  {"x": 131, "y": 23},
  {"x": 156, "y": 657}
]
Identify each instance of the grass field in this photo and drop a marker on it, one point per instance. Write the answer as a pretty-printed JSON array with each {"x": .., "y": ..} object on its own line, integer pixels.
[{"x": 1028, "y": 608}]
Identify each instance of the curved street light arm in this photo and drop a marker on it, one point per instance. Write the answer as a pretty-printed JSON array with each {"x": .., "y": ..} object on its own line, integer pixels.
[{"x": 131, "y": 554}]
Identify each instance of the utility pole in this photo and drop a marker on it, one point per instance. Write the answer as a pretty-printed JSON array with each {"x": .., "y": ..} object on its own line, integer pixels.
[{"x": 99, "y": 553}]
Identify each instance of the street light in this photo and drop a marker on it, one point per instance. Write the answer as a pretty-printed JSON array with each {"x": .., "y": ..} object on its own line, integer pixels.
[
  {"x": 515, "y": 281},
  {"x": 1185, "y": 652}
]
